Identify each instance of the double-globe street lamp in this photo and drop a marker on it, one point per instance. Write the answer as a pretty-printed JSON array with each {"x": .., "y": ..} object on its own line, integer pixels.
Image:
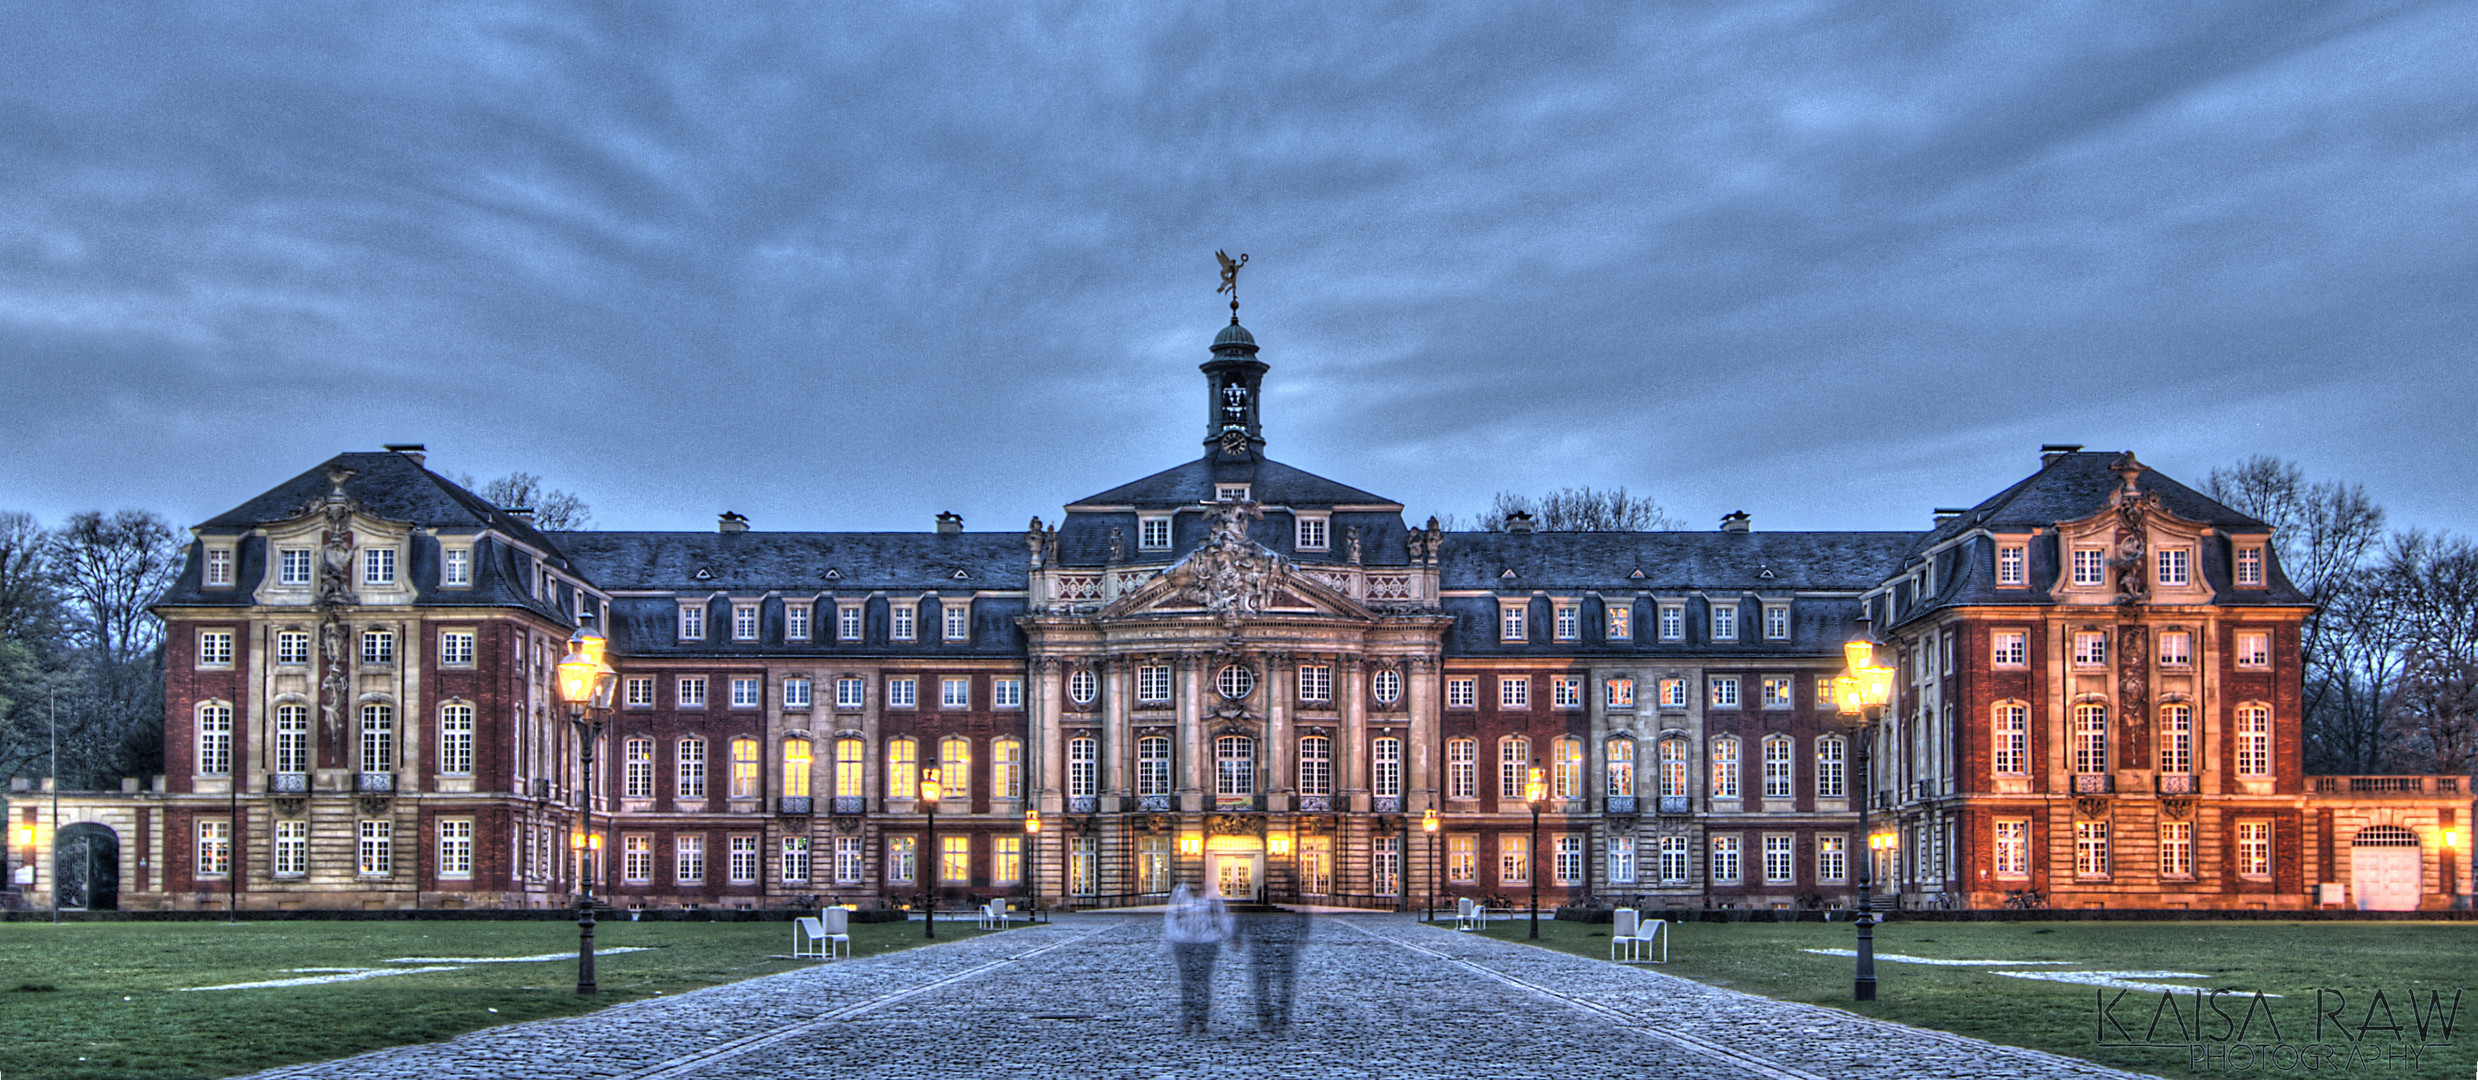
[
  {"x": 1862, "y": 690},
  {"x": 937, "y": 865},
  {"x": 585, "y": 684},
  {"x": 1536, "y": 792}
]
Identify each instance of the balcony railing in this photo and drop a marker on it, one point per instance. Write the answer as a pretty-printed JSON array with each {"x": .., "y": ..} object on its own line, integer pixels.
[
  {"x": 851, "y": 804},
  {"x": 289, "y": 783},
  {"x": 2387, "y": 785},
  {"x": 1154, "y": 804},
  {"x": 792, "y": 804},
  {"x": 1927, "y": 789},
  {"x": 1316, "y": 804},
  {"x": 375, "y": 783},
  {"x": 1083, "y": 804},
  {"x": 2093, "y": 783},
  {"x": 2176, "y": 783},
  {"x": 1677, "y": 804},
  {"x": 1621, "y": 804},
  {"x": 1385, "y": 804},
  {"x": 541, "y": 787}
]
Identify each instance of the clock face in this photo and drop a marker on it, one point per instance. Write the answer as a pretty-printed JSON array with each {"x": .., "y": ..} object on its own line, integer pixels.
[{"x": 1235, "y": 682}]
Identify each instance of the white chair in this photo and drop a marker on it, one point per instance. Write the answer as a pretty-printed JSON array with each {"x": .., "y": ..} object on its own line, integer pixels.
[
  {"x": 1621, "y": 931},
  {"x": 808, "y": 938},
  {"x": 1469, "y": 915},
  {"x": 835, "y": 925},
  {"x": 991, "y": 917},
  {"x": 1648, "y": 932}
]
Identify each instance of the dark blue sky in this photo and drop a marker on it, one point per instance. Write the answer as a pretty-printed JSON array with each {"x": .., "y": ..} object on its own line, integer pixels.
[{"x": 1832, "y": 264}]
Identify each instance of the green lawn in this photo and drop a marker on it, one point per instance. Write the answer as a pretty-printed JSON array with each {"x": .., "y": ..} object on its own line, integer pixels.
[
  {"x": 2292, "y": 959},
  {"x": 103, "y": 1000}
]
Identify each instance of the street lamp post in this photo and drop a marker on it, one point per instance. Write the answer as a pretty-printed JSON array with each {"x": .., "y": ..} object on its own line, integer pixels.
[
  {"x": 1535, "y": 792},
  {"x": 1428, "y": 824},
  {"x": 1862, "y": 692},
  {"x": 585, "y": 684},
  {"x": 1032, "y": 866},
  {"x": 937, "y": 865}
]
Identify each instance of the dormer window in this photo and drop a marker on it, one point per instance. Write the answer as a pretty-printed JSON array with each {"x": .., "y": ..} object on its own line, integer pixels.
[
  {"x": 2012, "y": 565},
  {"x": 378, "y": 566},
  {"x": 292, "y": 566},
  {"x": 1153, "y": 533},
  {"x": 218, "y": 567},
  {"x": 456, "y": 567},
  {"x": 2175, "y": 567},
  {"x": 744, "y": 622},
  {"x": 1312, "y": 532},
  {"x": 2249, "y": 567},
  {"x": 692, "y": 620},
  {"x": 2090, "y": 567},
  {"x": 1230, "y": 492}
]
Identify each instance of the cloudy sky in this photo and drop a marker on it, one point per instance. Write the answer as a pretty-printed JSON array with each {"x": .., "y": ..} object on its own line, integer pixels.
[{"x": 1835, "y": 264}]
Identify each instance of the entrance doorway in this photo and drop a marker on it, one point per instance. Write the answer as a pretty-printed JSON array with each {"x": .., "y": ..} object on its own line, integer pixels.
[
  {"x": 1236, "y": 865},
  {"x": 86, "y": 868},
  {"x": 2385, "y": 869}
]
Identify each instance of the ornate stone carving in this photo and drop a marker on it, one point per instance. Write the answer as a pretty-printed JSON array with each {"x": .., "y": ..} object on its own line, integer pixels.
[
  {"x": 2177, "y": 808},
  {"x": 2091, "y": 806},
  {"x": 1233, "y": 825},
  {"x": 1118, "y": 544},
  {"x": 2133, "y": 695},
  {"x": 1229, "y": 575},
  {"x": 1351, "y": 540},
  {"x": 1033, "y": 541}
]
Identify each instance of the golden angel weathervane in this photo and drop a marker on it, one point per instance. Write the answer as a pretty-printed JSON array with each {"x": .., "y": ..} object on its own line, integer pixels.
[{"x": 1230, "y": 280}]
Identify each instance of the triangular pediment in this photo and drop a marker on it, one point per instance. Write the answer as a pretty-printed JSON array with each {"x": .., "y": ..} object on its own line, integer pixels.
[{"x": 1258, "y": 584}]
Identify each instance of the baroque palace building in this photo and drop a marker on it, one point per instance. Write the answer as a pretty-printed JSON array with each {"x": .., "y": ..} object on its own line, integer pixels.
[{"x": 1237, "y": 670}]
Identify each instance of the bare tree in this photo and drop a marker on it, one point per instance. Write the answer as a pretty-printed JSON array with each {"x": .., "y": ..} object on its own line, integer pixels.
[
  {"x": 111, "y": 569},
  {"x": 1580, "y": 509},
  {"x": 2433, "y": 713},
  {"x": 29, "y": 602},
  {"x": 554, "y": 510}
]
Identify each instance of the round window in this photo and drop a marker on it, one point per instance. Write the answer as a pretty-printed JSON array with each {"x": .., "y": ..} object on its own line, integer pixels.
[
  {"x": 1388, "y": 686},
  {"x": 1081, "y": 686},
  {"x": 1235, "y": 682}
]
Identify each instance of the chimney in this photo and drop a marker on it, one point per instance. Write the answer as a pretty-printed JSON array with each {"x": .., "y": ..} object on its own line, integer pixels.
[
  {"x": 1736, "y": 521},
  {"x": 1519, "y": 521},
  {"x": 1946, "y": 514},
  {"x": 950, "y": 523},
  {"x": 411, "y": 450},
  {"x": 731, "y": 523},
  {"x": 2052, "y": 451}
]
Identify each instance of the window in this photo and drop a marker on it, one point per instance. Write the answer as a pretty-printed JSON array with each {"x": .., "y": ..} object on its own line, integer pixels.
[
  {"x": 2249, "y": 567},
  {"x": 1824, "y": 693},
  {"x": 904, "y": 619},
  {"x": 1316, "y": 765},
  {"x": 1673, "y": 693},
  {"x": 1725, "y": 767},
  {"x": 955, "y": 766},
  {"x": 1778, "y": 693},
  {"x": 1514, "y": 692},
  {"x": 293, "y": 647},
  {"x": 640, "y": 691},
  {"x": 744, "y": 768},
  {"x": 1566, "y": 691},
  {"x": 214, "y": 848},
  {"x": 2091, "y": 849},
  {"x": 2176, "y": 649},
  {"x": 2176, "y": 849},
  {"x": 1316, "y": 682},
  {"x": 955, "y": 617},
  {"x": 1619, "y": 624},
  {"x": 798, "y": 761},
  {"x": 1776, "y": 622},
  {"x": 1566, "y": 623},
  {"x": 849, "y": 866},
  {"x": 218, "y": 571},
  {"x": 903, "y": 769},
  {"x": 2253, "y": 649},
  {"x": 1949, "y": 638},
  {"x": 1386, "y": 686},
  {"x": 851, "y": 692},
  {"x": 1084, "y": 766},
  {"x": 1725, "y": 860},
  {"x": 1777, "y": 767},
  {"x": 1832, "y": 859},
  {"x": 903, "y": 693},
  {"x": 1083, "y": 686},
  {"x": 378, "y": 738},
  {"x": 292, "y": 848},
  {"x": 689, "y": 769},
  {"x": 743, "y": 868},
  {"x": 1006, "y": 763},
  {"x": 637, "y": 779},
  {"x": 1566, "y": 768},
  {"x": 378, "y": 566},
  {"x": 2009, "y": 648},
  {"x": 744, "y": 622},
  {"x": 1673, "y": 622},
  {"x": 2176, "y": 738},
  {"x": 1619, "y": 759},
  {"x": 692, "y": 620},
  {"x": 691, "y": 690},
  {"x": 2012, "y": 565},
  {"x": 2012, "y": 744},
  {"x": 747, "y": 693},
  {"x": 1621, "y": 693},
  {"x": 1006, "y": 693},
  {"x": 292, "y": 738},
  {"x": 1153, "y": 683},
  {"x": 954, "y": 860},
  {"x": 2174, "y": 567},
  {"x": 849, "y": 622},
  {"x": 455, "y": 648},
  {"x": 1829, "y": 755},
  {"x": 455, "y": 847},
  {"x": 1673, "y": 768},
  {"x": 1153, "y": 865},
  {"x": 1621, "y": 860},
  {"x": 1514, "y": 859},
  {"x": 2090, "y": 649},
  {"x": 1675, "y": 863},
  {"x": 796, "y": 621},
  {"x": 1511, "y": 621},
  {"x": 456, "y": 739},
  {"x": 292, "y": 566},
  {"x": 2090, "y": 738},
  {"x": 1007, "y": 861},
  {"x": 1567, "y": 869},
  {"x": 1152, "y": 765},
  {"x": 1462, "y": 768},
  {"x": 1153, "y": 533},
  {"x": 795, "y": 693},
  {"x": 378, "y": 647},
  {"x": 1385, "y": 767},
  {"x": 688, "y": 859},
  {"x": 1230, "y": 492},
  {"x": 1234, "y": 765},
  {"x": 1312, "y": 532},
  {"x": 795, "y": 860},
  {"x": 900, "y": 859},
  {"x": 1780, "y": 864},
  {"x": 1235, "y": 682},
  {"x": 2090, "y": 567},
  {"x": 851, "y": 757},
  {"x": 1725, "y": 691},
  {"x": 1462, "y": 693},
  {"x": 215, "y": 739},
  {"x": 1514, "y": 763},
  {"x": 377, "y": 848},
  {"x": 1083, "y": 864},
  {"x": 215, "y": 648},
  {"x": 1724, "y": 621},
  {"x": 2253, "y": 740},
  {"x": 1462, "y": 857},
  {"x": 2013, "y": 847},
  {"x": 954, "y": 693}
]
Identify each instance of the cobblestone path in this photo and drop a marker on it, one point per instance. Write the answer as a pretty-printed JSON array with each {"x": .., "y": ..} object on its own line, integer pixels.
[{"x": 1091, "y": 996}]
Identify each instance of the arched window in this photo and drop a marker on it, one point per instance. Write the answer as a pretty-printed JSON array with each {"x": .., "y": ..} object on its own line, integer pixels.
[
  {"x": 1316, "y": 765},
  {"x": 2091, "y": 738},
  {"x": 292, "y": 738},
  {"x": 1462, "y": 768},
  {"x": 1777, "y": 768},
  {"x": 903, "y": 769},
  {"x": 798, "y": 759},
  {"x": 215, "y": 739},
  {"x": 955, "y": 766},
  {"x": 1725, "y": 767},
  {"x": 1514, "y": 762},
  {"x": 2253, "y": 740},
  {"x": 1006, "y": 763},
  {"x": 1621, "y": 763},
  {"x": 456, "y": 739},
  {"x": 744, "y": 766},
  {"x": 1566, "y": 767},
  {"x": 378, "y": 737},
  {"x": 851, "y": 767},
  {"x": 1830, "y": 780},
  {"x": 1152, "y": 765},
  {"x": 2012, "y": 740},
  {"x": 637, "y": 769},
  {"x": 2176, "y": 738},
  {"x": 1673, "y": 768},
  {"x": 689, "y": 768},
  {"x": 1084, "y": 766},
  {"x": 1234, "y": 765},
  {"x": 1385, "y": 767}
]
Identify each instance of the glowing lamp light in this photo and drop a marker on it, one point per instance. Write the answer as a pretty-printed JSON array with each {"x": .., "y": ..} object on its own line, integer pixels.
[
  {"x": 1278, "y": 843},
  {"x": 25, "y": 836},
  {"x": 1536, "y": 788},
  {"x": 1428, "y": 820},
  {"x": 1847, "y": 690},
  {"x": 1191, "y": 844},
  {"x": 929, "y": 786},
  {"x": 1032, "y": 822},
  {"x": 2452, "y": 839}
]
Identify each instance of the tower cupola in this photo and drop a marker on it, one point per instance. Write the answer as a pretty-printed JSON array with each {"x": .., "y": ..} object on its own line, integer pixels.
[{"x": 1233, "y": 381}]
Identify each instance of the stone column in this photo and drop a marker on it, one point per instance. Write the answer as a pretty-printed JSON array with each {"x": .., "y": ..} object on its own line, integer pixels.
[
  {"x": 1193, "y": 780},
  {"x": 1115, "y": 743},
  {"x": 1352, "y": 770},
  {"x": 1280, "y": 747},
  {"x": 1049, "y": 742}
]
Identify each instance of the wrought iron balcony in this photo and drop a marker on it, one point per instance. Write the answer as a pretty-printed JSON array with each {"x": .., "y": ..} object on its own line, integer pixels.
[
  {"x": 2093, "y": 783},
  {"x": 1621, "y": 804},
  {"x": 2176, "y": 783},
  {"x": 1153, "y": 804},
  {"x": 541, "y": 787},
  {"x": 792, "y": 804},
  {"x": 1316, "y": 804},
  {"x": 1677, "y": 804},
  {"x": 289, "y": 783},
  {"x": 1083, "y": 804},
  {"x": 851, "y": 804},
  {"x": 1386, "y": 804},
  {"x": 375, "y": 783},
  {"x": 1927, "y": 789}
]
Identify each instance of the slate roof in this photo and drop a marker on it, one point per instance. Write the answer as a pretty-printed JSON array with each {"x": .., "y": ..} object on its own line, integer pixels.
[
  {"x": 391, "y": 486},
  {"x": 1271, "y": 482},
  {"x": 1672, "y": 560},
  {"x": 2073, "y": 486},
  {"x": 762, "y": 561}
]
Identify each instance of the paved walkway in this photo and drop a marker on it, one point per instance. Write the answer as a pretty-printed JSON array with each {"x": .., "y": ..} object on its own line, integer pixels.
[{"x": 1091, "y": 996}]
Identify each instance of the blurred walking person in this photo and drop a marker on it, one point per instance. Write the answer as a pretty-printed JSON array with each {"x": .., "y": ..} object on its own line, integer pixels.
[
  {"x": 1273, "y": 941},
  {"x": 1192, "y": 931}
]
